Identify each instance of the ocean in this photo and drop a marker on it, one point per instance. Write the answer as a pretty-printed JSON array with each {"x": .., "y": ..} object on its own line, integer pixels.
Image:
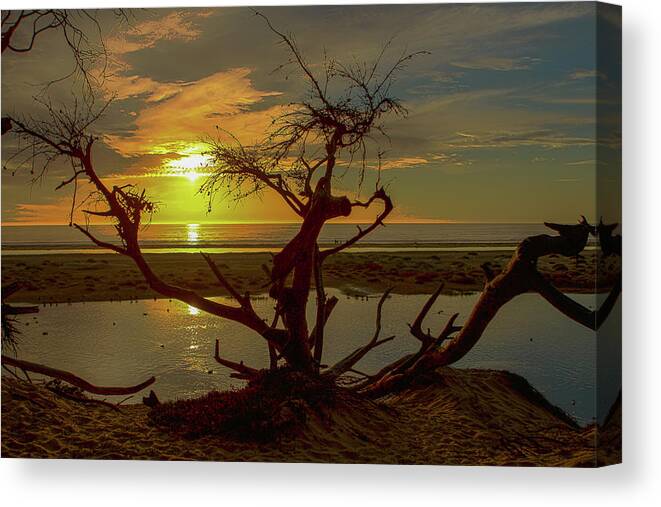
[{"x": 220, "y": 238}]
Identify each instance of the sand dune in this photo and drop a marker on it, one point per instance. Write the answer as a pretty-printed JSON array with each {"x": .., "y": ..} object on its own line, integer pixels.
[{"x": 463, "y": 417}]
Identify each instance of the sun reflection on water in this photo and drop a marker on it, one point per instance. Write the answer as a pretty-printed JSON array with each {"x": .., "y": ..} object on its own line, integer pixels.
[
  {"x": 193, "y": 311},
  {"x": 192, "y": 232}
]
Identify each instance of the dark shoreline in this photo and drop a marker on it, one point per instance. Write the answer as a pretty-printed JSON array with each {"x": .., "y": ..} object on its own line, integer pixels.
[{"x": 61, "y": 278}]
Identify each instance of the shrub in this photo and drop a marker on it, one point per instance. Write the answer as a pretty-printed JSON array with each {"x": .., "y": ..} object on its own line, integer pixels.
[{"x": 276, "y": 402}]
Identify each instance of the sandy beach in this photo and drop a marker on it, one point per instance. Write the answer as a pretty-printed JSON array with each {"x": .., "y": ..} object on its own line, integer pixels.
[
  {"x": 461, "y": 417},
  {"x": 57, "y": 278}
]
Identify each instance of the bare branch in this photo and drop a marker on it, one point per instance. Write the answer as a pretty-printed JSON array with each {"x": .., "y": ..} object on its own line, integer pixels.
[
  {"x": 243, "y": 371},
  {"x": 388, "y": 207},
  {"x": 352, "y": 359},
  {"x": 416, "y": 327},
  {"x": 99, "y": 243},
  {"x": 70, "y": 179},
  {"x": 22, "y": 29},
  {"x": 331, "y": 302},
  {"x": 574, "y": 310},
  {"x": 72, "y": 379},
  {"x": 242, "y": 300},
  {"x": 519, "y": 276}
]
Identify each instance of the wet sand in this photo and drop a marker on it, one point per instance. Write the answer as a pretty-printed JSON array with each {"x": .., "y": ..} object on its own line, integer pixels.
[
  {"x": 462, "y": 417},
  {"x": 58, "y": 278}
]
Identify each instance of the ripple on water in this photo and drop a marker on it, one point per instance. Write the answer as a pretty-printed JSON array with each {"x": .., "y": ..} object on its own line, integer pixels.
[{"x": 116, "y": 343}]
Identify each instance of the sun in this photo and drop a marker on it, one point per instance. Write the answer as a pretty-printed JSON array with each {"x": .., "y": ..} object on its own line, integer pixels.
[{"x": 190, "y": 166}]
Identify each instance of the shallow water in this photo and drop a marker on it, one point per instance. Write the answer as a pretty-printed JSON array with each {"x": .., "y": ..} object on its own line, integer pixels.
[
  {"x": 121, "y": 343},
  {"x": 223, "y": 238}
]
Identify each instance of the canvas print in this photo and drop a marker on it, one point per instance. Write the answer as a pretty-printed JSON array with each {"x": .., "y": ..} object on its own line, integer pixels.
[{"x": 339, "y": 234}]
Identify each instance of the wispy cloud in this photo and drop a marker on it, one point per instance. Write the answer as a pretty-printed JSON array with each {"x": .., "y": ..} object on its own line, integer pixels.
[
  {"x": 497, "y": 63},
  {"x": 193, "y": 110},
  {"x": 512, "y": 139},
  {"x": 586, "y": 74},
  {"x": 179, "y": 73},
  {"x": 176, "y": 25},
  {"x": 40, "y": 213},
  {"x": 404, "y": 162}
]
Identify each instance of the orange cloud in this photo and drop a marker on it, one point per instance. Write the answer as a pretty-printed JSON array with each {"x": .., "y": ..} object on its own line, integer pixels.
[
  {"x": 177, "y": 25},
  {"x": 44, "y": 214},
  {"x": 119, "y": 80},
  {"x": 124, "y": 87},
  {"x": 176, "y": 114},
  {"x": 193, "y": 110}
]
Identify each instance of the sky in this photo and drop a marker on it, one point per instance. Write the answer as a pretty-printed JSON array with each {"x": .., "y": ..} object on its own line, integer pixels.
[{"x": 511, "y": 116}]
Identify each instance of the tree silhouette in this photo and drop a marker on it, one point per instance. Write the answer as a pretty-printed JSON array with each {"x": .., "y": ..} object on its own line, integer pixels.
[
  {"x": 298, "y": 161},
  {"x": 340, "y": 125}
]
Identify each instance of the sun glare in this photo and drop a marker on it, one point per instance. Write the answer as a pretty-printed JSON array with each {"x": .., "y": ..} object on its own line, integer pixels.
[
  {"x": 192, "y": 232},
  {"x": 189, "y": 166}
]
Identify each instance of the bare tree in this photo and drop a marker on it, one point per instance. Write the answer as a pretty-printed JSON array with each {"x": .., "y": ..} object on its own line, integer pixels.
[
  {"x": 298, "y": 161},
  {"x": 330, "y": 126},
  {"x": 20, "y": 32}
]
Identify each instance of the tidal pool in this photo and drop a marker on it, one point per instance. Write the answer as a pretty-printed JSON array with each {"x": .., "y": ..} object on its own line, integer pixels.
[{"x": 122, "y": 343}]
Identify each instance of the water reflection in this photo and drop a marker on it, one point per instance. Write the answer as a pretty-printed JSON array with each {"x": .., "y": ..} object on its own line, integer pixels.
[
  {"x": 192, "y": 232},
  {"x": 120, "y": 344}
]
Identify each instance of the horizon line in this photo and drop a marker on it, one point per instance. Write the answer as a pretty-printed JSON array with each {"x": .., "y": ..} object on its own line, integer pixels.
[{"x": 397, "y": 222}]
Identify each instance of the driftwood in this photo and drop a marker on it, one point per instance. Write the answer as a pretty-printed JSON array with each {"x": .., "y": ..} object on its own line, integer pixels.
[
  {"x": 338, "y": 128},
  {"x": 19, "y": 310},
  {"x": 610, "y": 245},
  {"x": 74, "y": 380},
  {"x": 520, "y": 276}
]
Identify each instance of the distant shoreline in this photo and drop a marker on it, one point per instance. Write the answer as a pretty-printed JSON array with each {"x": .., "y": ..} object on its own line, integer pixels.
[
  {"x": 255, "y": 248},
  {"x": 228, "y": 248},
  {"x": 73, "y": 277}
]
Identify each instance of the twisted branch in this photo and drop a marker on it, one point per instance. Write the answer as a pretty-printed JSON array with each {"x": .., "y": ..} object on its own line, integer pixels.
[
  {"x": 519, "y": 276},
  {"x": 380, "y": 194},
  {"x": 75, "y": 380},
  {"x": 243, "y": 372},
  {"x": 352, "y": 359}
]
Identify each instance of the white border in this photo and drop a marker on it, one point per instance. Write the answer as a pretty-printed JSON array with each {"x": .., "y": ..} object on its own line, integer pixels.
[{"x": 32, "y": 482}]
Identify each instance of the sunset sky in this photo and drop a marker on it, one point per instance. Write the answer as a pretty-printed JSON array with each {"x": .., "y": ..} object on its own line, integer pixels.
[{"x": 501, "y": 124}]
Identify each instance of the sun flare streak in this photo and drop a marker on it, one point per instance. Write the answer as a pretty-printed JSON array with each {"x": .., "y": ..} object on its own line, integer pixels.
[{"x": 191, "y": 166}]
